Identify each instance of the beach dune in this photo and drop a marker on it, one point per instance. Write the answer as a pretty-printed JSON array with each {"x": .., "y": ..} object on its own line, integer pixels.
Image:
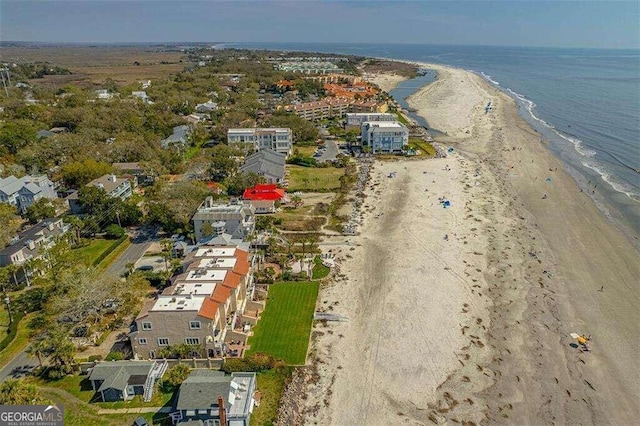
[{"x": 464, "y": 313}]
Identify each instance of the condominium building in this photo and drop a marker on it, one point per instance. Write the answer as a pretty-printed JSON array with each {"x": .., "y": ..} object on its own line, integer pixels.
[
  {"x": 384, "y": 136},
  {"x": 277, "y": 139},
  {"x": 357, "y": 118},
  {"x": 203, "y": 308}
]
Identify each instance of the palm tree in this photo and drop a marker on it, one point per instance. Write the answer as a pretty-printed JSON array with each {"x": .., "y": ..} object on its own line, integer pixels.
[{"x": 38, "y": 349}]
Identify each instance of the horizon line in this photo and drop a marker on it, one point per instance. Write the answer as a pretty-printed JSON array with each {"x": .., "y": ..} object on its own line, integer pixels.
[{"x": 84, "y": 43}]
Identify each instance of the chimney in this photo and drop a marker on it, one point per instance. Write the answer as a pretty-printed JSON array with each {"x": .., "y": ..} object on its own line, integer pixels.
[
  {"x": 112, "y": 178},
  {"x": 222, "y": 411},
  {"x": 208, "y": 202}
]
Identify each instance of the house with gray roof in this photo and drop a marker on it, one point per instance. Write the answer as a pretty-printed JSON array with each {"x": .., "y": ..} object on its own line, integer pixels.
[
  {"x": 198, "y": 398},
  {"x": 23, "y": 192},
  {"x": 122, "y": 380},
  {"x": 266, "y": 163},
  {"x": 179, "y": 138},
  {"x": 32, "y": 242},
  {"x": 236, "y": 218}
]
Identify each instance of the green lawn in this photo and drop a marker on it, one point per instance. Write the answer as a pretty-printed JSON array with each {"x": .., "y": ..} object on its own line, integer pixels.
[
  {"x": 271, "y": 385},
  {"x": 307, "y": 150},
  {"x": 18, "y": 343},
  {"x": 319, "y": 270},
  {"x": 283, "y": 331},
  {"x": 89, "y": 253},
  {"x": 313, "y": 178}
]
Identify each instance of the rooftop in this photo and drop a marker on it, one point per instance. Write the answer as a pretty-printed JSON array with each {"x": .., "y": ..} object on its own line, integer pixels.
[
  {"x": 221, "y": 262},
  {"x": 178, "y": 303},
  {"x": 202, "y": 274},
  {"x": 215, "y": 251},
  {"x": 194, "y": 289},
  {"x": 387, "y": 124}
]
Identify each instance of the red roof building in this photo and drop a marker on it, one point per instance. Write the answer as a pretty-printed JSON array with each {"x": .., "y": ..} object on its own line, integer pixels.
[{"x": 263, "y": 197}]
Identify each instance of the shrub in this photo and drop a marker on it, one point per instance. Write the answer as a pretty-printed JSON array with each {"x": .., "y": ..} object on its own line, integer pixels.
[
  {"x": 174, "y": 377},
  {"x": 115, "y": 356},
  {"x": 94, "y": 358},
  {"x": 255, "y": 362},
  {"x": 113, "y": 232}
]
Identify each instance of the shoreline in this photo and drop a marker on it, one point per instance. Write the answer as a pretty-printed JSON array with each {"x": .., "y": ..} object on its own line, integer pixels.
[{"x": 520, "y": 274}]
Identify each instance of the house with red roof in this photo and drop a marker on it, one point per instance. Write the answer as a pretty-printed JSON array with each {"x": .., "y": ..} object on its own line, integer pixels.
[{"x": 264, "y": 196}]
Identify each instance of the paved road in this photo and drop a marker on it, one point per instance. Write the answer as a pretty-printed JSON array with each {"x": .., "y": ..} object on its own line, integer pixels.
[
  {"x": 141, "y": 240},
  {"x": 130, "y": 255},
  {"x": 19, "y": 366},
  {"x": 330, "y": 153}
]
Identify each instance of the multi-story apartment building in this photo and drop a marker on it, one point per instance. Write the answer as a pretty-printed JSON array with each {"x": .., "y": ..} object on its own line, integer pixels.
[
  {"x": 384, "y": 136},
  {"x": 277, "y": 139},
  {"x": 357, "y": 118},
  {"x": 204, "y": 307},
  {"x": 235, "y": 218}
]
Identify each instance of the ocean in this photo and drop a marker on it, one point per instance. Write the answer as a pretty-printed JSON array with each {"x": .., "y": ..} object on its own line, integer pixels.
[{"x": 585, "y": 102}]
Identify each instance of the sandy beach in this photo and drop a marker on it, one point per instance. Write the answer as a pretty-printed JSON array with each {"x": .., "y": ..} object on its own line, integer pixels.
[{"x": 463, "y": 314}]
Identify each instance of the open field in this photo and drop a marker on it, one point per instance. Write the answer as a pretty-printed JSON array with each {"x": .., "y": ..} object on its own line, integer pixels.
[
  {"x": 313, "y": 179},
  {"x": 283, "y": 330},
  {"x": 91, "y": 65}
]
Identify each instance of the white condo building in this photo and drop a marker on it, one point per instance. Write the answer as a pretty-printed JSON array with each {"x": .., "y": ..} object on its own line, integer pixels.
[
  {"x": 277, "y": 139},
  {"x": 357, "y": 118},
  {"x": 384, "y": 136}
]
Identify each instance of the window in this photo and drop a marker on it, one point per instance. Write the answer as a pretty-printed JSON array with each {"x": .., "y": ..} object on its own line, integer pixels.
[
  {"x": 152, "y": 354},
  {"x": 142, "y": 341},
  {"x": 194, "y": 325},
  {"x": 163, "y": 341},
  {"x": 192, "y": 340},
  {"x": 146, "y": 326}
]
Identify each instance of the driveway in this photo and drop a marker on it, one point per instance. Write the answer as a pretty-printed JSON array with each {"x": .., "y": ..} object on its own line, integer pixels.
[{"x": 330, "y": 152}]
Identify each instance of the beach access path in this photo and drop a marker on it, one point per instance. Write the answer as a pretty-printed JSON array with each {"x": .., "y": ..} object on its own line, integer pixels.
[{"x": 475, "y": 327}]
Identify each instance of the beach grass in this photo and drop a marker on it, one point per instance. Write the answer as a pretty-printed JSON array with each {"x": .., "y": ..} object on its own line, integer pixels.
[
  {"x": 319, "y": 270},
  {"x": 271, "y": 385},
  {"x": 317, "y": 179},
  {"x": 285, "y": 326},
  {"x": 424, "y": 146}
]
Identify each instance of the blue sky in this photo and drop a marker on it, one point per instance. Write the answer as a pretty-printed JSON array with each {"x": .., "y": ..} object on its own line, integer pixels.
[{"x": 514, "y": 23}]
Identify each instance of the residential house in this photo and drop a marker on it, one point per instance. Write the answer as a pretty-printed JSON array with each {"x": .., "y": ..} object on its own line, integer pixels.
[
  {"x": 207, "y": 106},
  {"x": 141, "y": 94},
  {"x": 23, "y": 192},
  {"x": 103, "y": 94},
  {"x": 266, "y": 163},
  {"x": 357, "y": 118},
  {"x": 277, "y": 139},
  {"x": 135, "y": 170},
  {"x": 207, "y": 395},
  {"x": 235, "y": 218},
  {"x": 32, "y": 242},
  {"x": 44, "y": 134},
  {"x": 264, "y": 197},
  {"x": 114, "y": 186},
  {"x": 179, "y": 138},
  {"x": 122, "y": 380},
  {"x": 384, "y": 136}
]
